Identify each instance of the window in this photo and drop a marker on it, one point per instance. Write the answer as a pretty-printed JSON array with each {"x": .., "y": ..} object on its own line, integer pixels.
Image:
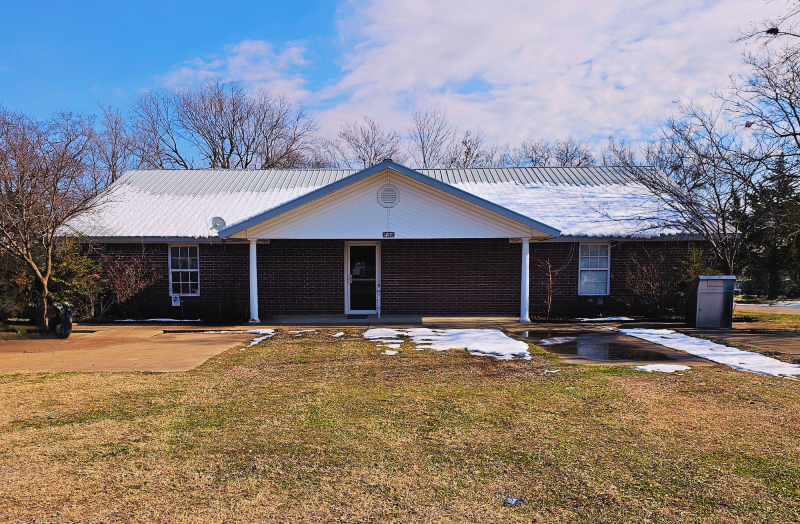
[
  {"x": 593, "y": 273},
  {"x": 184, "y": 270}
]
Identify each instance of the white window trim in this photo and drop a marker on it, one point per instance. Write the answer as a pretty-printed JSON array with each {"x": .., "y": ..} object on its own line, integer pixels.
[
  {"x": 606, "y": 269},
  {"x": 169, "y": 268}
]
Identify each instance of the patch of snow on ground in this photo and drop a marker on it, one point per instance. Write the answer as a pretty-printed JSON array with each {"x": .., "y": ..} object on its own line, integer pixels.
[
  {"x": 603, "y": 319},
  {"x": 389, "y": 352},
  {"x": 337, "y": 335},
  {"x": 664, "y": 368},
  {"x": 735, "y": 358},
  {"x": 479, "y": 342},
  {"x": 552, "y": 341},
  {"x": 265, "y": 332}
]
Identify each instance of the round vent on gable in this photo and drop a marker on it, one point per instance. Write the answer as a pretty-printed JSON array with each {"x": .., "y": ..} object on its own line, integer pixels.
[{"x": 388, "y": 196}]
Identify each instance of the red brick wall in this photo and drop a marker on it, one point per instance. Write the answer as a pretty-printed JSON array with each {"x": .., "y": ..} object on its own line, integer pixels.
[
  {"x": 224, "y": 283},
  {"x": 566, "y": 300},
  {"x": 435, "y": 277},
  {"x": 456, "y": 277},
  {"x": 300, "y": 277}
]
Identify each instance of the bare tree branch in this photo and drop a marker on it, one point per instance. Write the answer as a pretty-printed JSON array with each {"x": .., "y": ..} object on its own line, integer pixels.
[
  {"x": 47, "y": 178},
  {"x": 431, "y": 137}
]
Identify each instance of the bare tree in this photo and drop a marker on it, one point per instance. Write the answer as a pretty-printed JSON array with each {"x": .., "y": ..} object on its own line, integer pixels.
[
  {"x": 471, "y": 150},
  {"x": 124, "y": 278},
  {"x": 431, "y": 137},
  {"x": 46, "y": 180},
  {"x": 227, "y": 125},
  {"x": 114, "y": 146},
  {"x": 360, "y": 145},
  {"x": 571, "y": 152},
  {"x": 767, "y": 100},
  {"x": 552, "y": 275},
  {"x": 158, "y": 138},
  {"x": 712, "y": 173},
  {"x": 782, "y": 28},
  {"x": 648, "y": 281},
  {"x": 533, "y": 152}
]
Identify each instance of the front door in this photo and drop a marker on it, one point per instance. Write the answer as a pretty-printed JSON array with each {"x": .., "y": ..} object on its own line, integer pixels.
[{"x": 362, "y": 278}]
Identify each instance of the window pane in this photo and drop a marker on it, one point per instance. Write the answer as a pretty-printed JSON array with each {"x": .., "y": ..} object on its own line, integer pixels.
[
  {"x": 176, "y": 288},
  {"x": 185, "y": 288},
  {"x": 174, "y": 264},
  {"x": 193, "y": 276},
  {"x": 192, "y": 263},
  {"x": 593, "y": 282},
  {"x": 184, "y": 263},
  {"x": 174, "y": 251},
  {"x": 193, "y": 288},
  {"x": 184, "y": 251},
  {"x": 602, "y": 251},
  {"x": 193, "y": 252}
]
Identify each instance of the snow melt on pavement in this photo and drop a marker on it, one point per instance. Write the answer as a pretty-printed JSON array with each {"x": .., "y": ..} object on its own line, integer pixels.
[
  {"x": 735, "y": 358},
  {"x": 664, "y": 368},
  {"x": 479, "y": 342}
]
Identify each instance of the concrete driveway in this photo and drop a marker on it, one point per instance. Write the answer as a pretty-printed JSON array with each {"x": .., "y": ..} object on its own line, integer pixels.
[{"x": 116, "y": 348}]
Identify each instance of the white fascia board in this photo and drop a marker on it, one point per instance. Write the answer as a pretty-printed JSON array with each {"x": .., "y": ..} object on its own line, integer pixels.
[{"x": 377, "y": 168}]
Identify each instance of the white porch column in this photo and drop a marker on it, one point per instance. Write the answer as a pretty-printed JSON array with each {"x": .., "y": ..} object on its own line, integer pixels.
[
  {"x": 524, "y": 314},
  {"x": 253, "y": 282}
]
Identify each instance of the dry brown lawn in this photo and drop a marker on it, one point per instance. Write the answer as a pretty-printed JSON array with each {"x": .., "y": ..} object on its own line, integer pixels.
[
  {"x": 769, "y": 321},
  {"x": 317, "y": 429}
]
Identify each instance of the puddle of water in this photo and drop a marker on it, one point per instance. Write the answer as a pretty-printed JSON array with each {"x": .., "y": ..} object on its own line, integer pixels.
[{"x": 592, "y": 345}]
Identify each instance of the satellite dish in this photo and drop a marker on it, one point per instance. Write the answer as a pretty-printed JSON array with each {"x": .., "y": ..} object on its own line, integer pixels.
[{"x": 216, "y": 223}]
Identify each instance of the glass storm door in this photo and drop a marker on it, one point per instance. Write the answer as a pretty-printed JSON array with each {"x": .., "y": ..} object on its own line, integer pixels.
[{"x": 362, "y": 278}]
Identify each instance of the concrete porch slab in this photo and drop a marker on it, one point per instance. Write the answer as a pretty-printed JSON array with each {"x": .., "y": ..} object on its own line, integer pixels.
[
  {"x": 465, "y": 322},
  {"x": 342, "y": 320}
]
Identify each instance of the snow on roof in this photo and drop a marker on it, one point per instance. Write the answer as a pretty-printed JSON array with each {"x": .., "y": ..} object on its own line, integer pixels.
[{"x": 581, "y": 202}]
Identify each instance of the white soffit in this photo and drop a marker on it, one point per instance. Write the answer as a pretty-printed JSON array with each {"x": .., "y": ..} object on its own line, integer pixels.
[{"x": 422, "y": 211}]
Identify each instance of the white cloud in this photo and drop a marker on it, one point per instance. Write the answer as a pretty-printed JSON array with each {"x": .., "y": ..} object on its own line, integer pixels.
[
  {"x": 254, "y": 62},
  {"x": 510, "y": 67}
]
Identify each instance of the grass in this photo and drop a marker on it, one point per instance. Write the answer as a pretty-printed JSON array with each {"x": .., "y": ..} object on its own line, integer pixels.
[
  {"x": 316, "y": 429},
  {"x": 773, "y": 321}
]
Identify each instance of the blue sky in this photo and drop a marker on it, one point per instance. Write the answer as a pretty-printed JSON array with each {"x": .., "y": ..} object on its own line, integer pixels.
[{"x": 508, "y": 67}]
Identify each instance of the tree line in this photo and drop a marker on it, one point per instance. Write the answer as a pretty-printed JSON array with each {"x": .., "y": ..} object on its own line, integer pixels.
[{"x": 731, "y": 167}]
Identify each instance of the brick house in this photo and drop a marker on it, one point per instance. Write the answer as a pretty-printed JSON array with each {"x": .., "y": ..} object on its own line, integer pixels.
[{"x": 249, "y": 244}]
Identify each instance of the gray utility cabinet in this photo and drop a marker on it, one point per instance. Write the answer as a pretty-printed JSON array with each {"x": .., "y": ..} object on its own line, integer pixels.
[{"x": 710, "y": 302}]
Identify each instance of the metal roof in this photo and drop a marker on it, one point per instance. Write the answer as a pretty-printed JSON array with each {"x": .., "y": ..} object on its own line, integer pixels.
[{"x": 197, "y": 182}]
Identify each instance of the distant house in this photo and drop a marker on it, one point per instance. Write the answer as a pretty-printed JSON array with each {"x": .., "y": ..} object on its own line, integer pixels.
[{"x": 249, "y": 244}]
